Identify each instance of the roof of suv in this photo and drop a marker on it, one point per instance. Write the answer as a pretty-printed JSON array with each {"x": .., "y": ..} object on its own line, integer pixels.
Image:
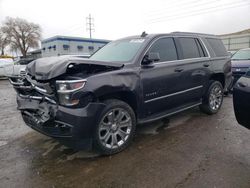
[{"x": 174, "y": 34}]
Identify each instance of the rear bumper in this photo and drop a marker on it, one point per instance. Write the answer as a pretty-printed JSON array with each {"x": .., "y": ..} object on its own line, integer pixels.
[{"x": 60, "y": 122}]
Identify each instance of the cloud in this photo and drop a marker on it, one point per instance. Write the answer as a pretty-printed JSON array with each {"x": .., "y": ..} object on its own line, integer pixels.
[{"x": 115, "y": 19}]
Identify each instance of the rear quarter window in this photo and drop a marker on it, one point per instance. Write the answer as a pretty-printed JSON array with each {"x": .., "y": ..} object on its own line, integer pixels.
[{"x": 218, "y": 47}]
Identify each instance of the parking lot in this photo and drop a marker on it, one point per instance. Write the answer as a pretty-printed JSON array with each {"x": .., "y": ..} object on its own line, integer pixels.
[{"x": 190, "y": 149}]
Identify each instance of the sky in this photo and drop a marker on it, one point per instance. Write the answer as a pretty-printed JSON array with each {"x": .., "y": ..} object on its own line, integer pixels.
[{"x": 115, "y": 19}]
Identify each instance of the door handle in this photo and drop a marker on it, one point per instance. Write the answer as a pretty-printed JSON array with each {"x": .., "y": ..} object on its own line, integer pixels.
[
  {"x": 206, "y": 65},
  {"x": 178, "y": 70},
  {"x": 240, "y": 84}
]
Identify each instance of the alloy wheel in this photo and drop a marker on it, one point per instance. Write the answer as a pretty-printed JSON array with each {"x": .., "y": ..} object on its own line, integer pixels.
[
  {"x": 215, "y": 98},
  {"x": 115, "y": 128}
]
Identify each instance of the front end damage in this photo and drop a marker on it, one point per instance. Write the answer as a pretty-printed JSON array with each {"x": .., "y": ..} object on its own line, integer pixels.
[
  {"x": 41, "y": 110},
  {"x": 55, "y": 100}
]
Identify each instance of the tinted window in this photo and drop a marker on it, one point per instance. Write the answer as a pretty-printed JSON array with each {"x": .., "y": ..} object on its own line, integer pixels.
[
  {"x": 218, "y": 47},
  {"x": 166, "y": 49},
  {"x": 189, "y": 48}
]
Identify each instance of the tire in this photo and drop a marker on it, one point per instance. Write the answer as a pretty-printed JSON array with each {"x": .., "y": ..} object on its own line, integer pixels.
[
  {"x": 115, "y": 128},
  {"x": 213, "y": 98}
]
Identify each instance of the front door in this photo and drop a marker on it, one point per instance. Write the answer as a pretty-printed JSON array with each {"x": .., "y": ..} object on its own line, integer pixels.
[{"x": 162, "y": 81}]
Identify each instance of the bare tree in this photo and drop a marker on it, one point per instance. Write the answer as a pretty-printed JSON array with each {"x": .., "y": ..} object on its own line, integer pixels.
[
  {"x": 22, "y": 34},
  {"x": 4, "y": 41}
]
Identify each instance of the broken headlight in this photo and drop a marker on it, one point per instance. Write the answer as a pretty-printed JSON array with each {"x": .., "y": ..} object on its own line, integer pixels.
[{"x": 65, "y": 90}]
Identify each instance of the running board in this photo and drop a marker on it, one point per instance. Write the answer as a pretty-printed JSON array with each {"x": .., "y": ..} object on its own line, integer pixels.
[{"x": 166, "y": 114}]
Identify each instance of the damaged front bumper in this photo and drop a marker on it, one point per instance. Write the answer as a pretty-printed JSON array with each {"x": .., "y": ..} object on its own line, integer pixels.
[
  {"x": 58, "y": 121},
  {"x": 70, "y": 125}
]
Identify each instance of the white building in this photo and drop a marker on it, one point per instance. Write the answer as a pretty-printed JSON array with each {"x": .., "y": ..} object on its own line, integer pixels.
[
  {"x": 236, "y": 41},
  {"x": 64, "y": 45}
]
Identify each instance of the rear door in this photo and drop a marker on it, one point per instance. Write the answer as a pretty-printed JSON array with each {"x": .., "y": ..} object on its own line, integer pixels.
[
  {"x": 196, "y": 67},
  {"x": 241, "y": 99}
]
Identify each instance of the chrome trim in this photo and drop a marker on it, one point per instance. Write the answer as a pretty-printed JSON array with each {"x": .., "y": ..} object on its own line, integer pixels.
[
  {"x": 41, "y": 90},
  {"x": 70, "y": 81},
  {"x": 69, "y": 91},
  {"x": 208, "y": 53},
  {"x": 182, "y": 60},
  {"x": 23, "y": 87},
  {"x": 50, "y": 100},
  {"x": 30, "y": 97},
  {"x": 16, "y": 83},
  {"x": 172, "y": 94},
  {"x": 37, "y": 98}
]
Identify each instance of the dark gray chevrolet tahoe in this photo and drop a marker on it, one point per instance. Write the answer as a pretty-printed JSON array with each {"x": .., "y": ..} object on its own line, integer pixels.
[{"x": 99, "y": 101}]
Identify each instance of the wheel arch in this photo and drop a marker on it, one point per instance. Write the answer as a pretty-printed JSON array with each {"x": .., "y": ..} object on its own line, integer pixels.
[
  {"x": 220, "y": 77},
  {"x": 126, "y": 96}
]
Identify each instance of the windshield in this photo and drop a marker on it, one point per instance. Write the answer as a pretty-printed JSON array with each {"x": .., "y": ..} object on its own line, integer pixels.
[
  {"x": 118, "y": 51},
  {"x": 242, "y": 55},
  {"x": 24, "y": 61}
]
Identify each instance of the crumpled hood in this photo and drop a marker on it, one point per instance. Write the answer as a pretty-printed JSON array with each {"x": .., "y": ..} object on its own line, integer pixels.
[
  {"x": 240, "y": 63},
  {"x": 51, "y": 67}
]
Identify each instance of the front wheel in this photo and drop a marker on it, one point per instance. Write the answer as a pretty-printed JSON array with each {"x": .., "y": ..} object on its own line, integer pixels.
[
  {"x": 116, "y": 127},
  {"x": 213, "y": 98}
]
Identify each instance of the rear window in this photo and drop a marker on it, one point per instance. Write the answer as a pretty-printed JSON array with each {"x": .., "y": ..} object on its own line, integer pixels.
[
  {"x": 218, "y": 47},
  {"x": 190, "y": 48}
]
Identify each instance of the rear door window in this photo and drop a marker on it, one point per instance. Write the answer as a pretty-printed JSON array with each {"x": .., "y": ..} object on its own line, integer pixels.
[
  {"x": 166, "y": 49},
  {"x": 218, "y": 47},
  {"x": 190, "y": 48}
]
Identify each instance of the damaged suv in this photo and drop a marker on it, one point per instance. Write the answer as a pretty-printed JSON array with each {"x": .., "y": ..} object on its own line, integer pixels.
[{"x": 99, "y": 101}]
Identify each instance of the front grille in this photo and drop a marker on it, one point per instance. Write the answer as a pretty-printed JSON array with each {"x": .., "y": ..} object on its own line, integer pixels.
[{"x": 27, "y": 87}]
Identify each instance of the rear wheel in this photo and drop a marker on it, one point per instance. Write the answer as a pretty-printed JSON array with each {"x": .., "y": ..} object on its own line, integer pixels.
[
  {"x": 213, "y": 98},
  {"x": 116, "y": 127}
]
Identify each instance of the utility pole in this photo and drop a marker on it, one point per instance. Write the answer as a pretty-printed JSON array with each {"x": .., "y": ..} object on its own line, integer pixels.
[{"x": 90, "y": 25}]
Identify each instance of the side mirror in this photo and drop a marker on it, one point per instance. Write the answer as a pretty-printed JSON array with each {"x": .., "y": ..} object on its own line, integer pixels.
[{"x": 150, "y": 58}]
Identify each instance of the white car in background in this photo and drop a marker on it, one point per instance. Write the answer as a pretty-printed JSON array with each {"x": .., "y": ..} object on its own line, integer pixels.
[
  {"x": 6, "y": 66},
  {"x": 20, "y": 66}
]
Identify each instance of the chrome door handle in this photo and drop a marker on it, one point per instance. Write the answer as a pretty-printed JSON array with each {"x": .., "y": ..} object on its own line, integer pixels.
[
  {"x": 178, "y": 70},
  {"x": 206, "y": 65}
]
